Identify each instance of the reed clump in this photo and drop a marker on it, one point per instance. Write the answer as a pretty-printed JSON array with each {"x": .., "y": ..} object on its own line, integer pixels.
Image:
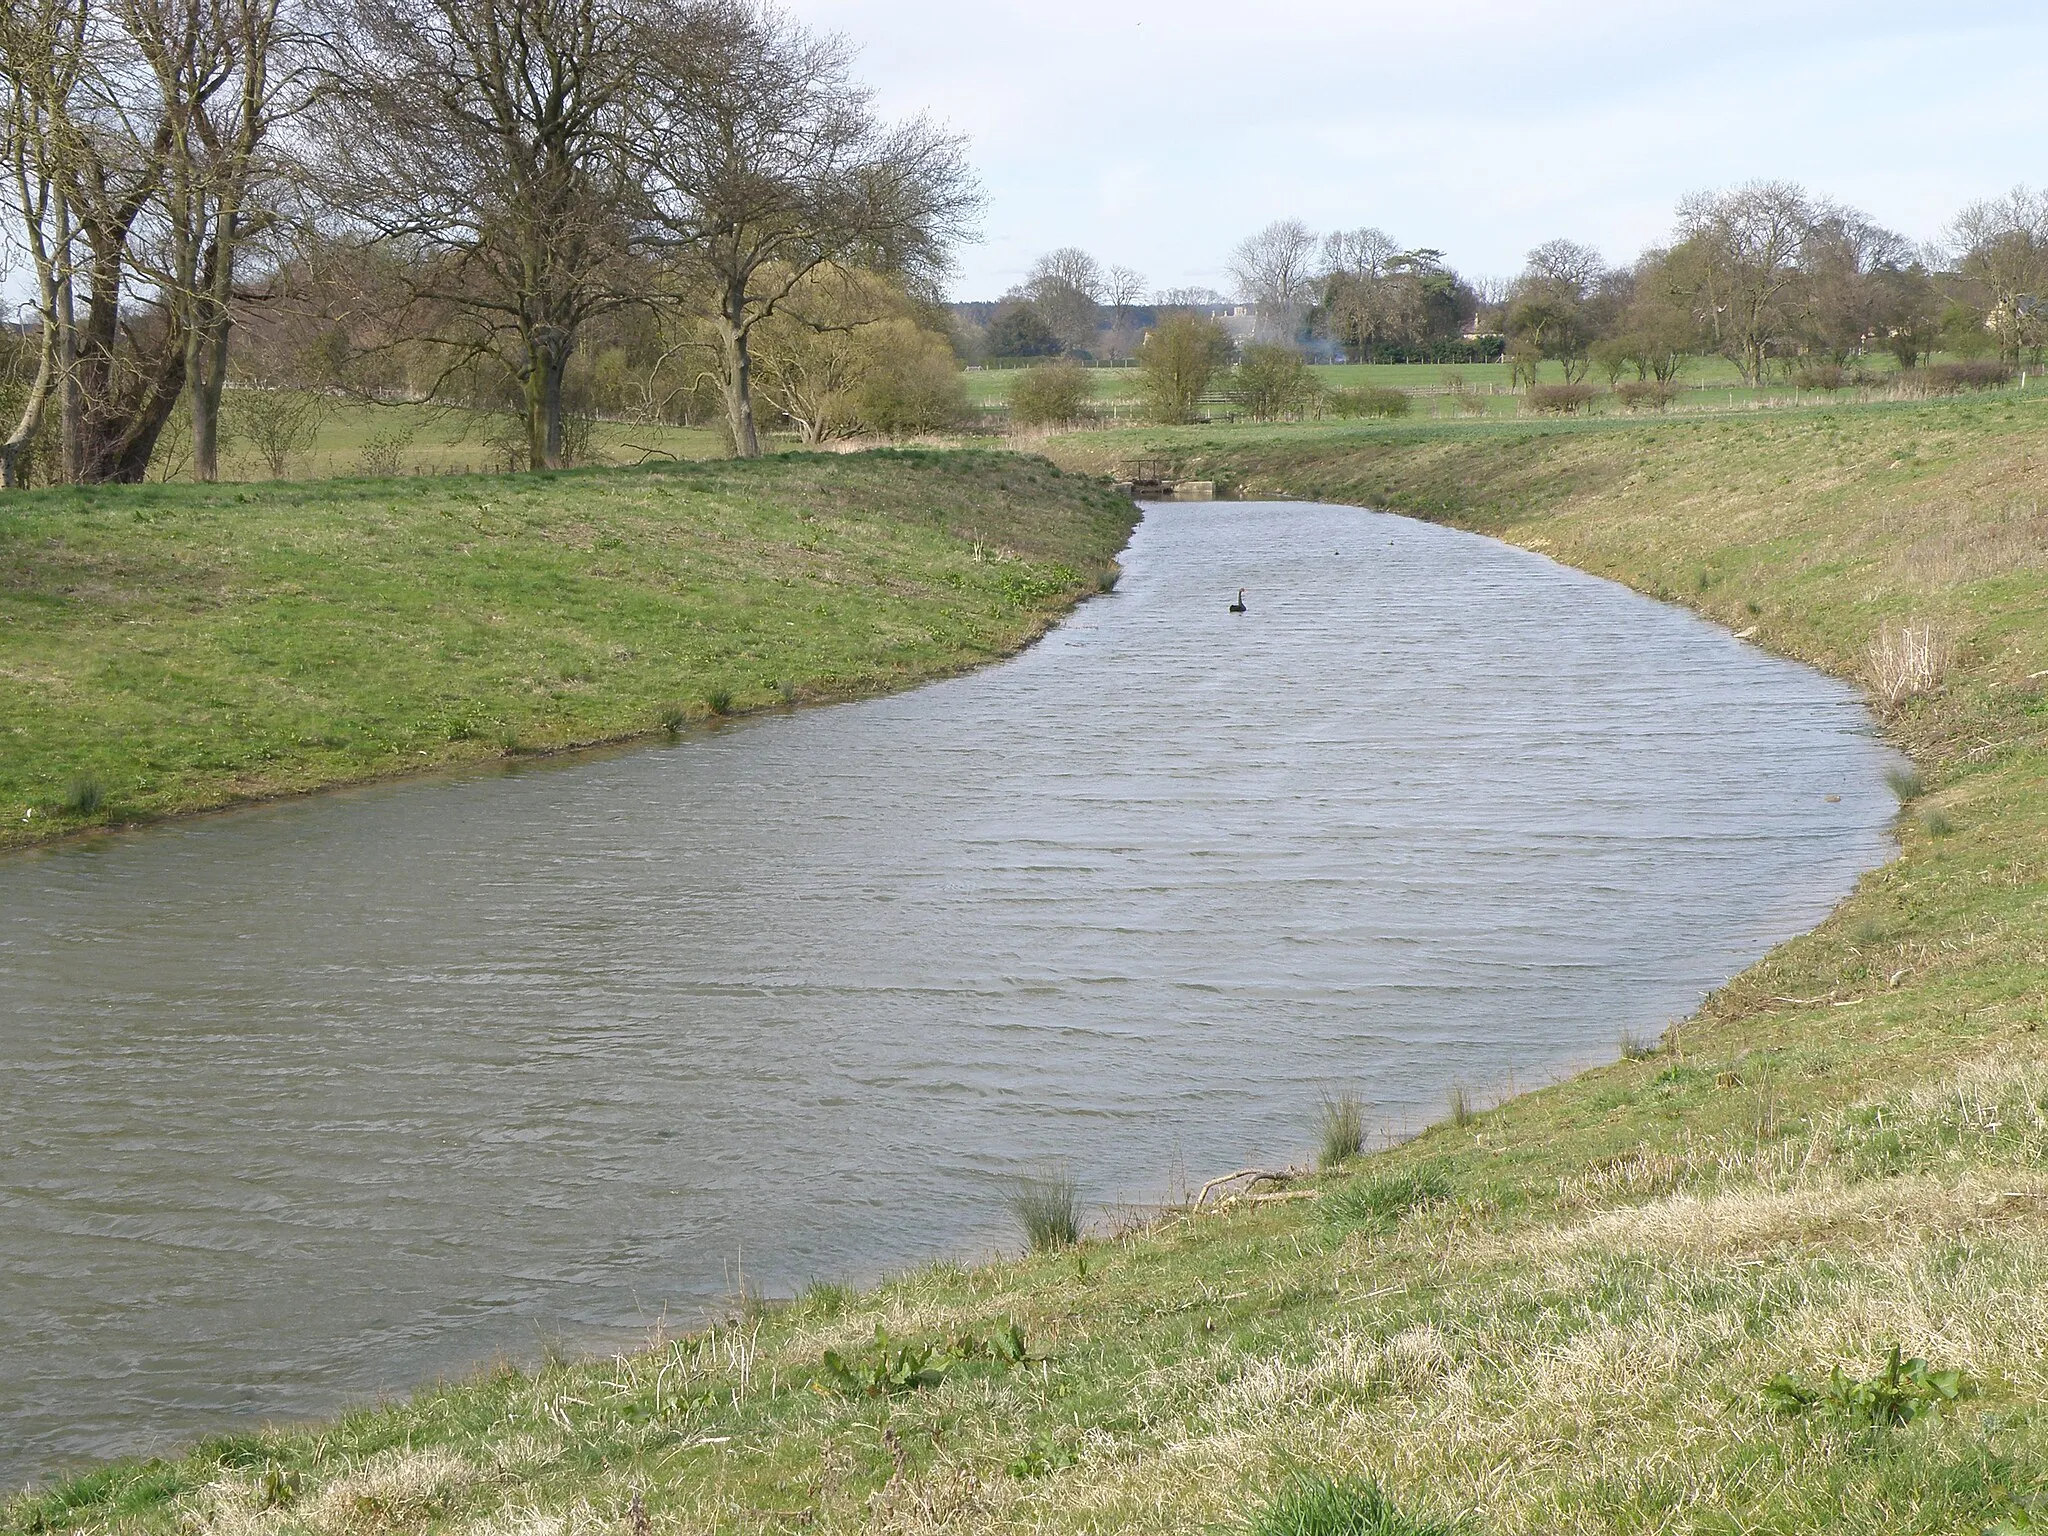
[
  {"x": 1341, "y": 1122},
  {"x": 1047, "y": 1208}
]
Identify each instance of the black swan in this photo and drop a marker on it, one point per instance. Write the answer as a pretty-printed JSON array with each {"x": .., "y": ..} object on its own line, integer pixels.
[{"x": 1238, "y": 606}]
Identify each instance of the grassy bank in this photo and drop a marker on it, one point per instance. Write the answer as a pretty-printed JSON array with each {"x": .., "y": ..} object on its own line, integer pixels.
[
  {"x": 1615, "y": 1304},
  {"x": 172, "y": 648}
]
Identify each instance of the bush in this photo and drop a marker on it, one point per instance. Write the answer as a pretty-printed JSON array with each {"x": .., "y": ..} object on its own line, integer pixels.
[
  {"x": 1560, "y": 399},
  {"x": 1050, "y": 395},
  {"x": 84, "y": 795},
  {"x": 915, "y": 385},
  {"x": 1273, "y": 381},
  {"x": 279, "y": 424},
  {"x": 383, "y": 453},
  {"x": 1177, "y": 361},
  {"x": 1954, "y": 378},
  {"x": 1313, "y": 1505},
  {"x": 1822, "y": 376},
  {"x": 1638, "y": 393},
  {"x": 1366, "y": 400}
]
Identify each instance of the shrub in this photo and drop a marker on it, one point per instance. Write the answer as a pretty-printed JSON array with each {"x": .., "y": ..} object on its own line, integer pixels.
[
  {"x": 383, "y": 453},
  {"x": 1823, "y": 376},
  {"x": 914, "y": 385},
  {"x": 1637, "y": 393},
  {"x": 1954, "y": 378},
  {"x": 1472, "y": 405},
  {"x": 1310, "y": 1504},
  {"x": 1050, "y": 395},
  {"x": 1177, "y": 361},
  {"x": 1048, "y": 1208},
  {"x": 279, "y": 424},
  {"x": 1343, "y": 1128},
  {"x": 1559, "y": 399},
  {"x": 84, "y": 795},
  {"x": 1366, "y": 400},
  {"x": 1273, "y": 381}
]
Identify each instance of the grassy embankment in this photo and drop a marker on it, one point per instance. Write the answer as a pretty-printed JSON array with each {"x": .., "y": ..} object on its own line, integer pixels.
[
  {"x": 1561, "y": 1314},
  {"x": 173, "y": 648}
]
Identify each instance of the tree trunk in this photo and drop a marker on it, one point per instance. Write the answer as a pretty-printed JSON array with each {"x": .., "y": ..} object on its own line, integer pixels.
[
  {"x": 547, "y": 363},
  {"x": 739, "y": 380},
  {"x": 31, "y": 412},
  {"x": 207, "y": 354},
  {"x": 70, "y": 415}
]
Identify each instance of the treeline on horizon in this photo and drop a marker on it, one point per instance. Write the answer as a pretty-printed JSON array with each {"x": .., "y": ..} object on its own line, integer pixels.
[
  {"x": 1767, "y": 275},
  {"x": 546, "y": 212}
]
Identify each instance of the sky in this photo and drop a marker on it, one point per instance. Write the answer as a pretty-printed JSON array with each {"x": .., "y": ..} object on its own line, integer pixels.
[{"x": 1158, "y": 135}]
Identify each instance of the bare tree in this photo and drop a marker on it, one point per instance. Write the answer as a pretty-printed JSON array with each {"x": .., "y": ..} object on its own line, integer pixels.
[
  {"x": 1122, "y": 287},
  {"x": 1275, "y": 270},
  {"x": 1554, "y": 310},
  {"x": 480, "y": 138},
  {"x": 42, "y": 61},
  {"x": 1743, "y": 250},
  {"x": 1066, "y": 287},
  {"x": 242, "y": 73},
  {"x": 2003, "y": 246},
  {"x": 1856, "y": 273},
  {"x": 761, "y": 160},
  {"x": 93, "y": 122}
]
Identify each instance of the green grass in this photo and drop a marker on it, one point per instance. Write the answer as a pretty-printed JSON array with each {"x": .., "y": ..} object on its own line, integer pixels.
[
  {"x": 1573, "y": 1312},
  {"x": 428, "y": 440},
  {"x": 171, "y": 648}
]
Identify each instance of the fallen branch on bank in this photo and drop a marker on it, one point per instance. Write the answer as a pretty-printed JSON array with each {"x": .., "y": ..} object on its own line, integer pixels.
[{"x": 1250, "y": 1176}]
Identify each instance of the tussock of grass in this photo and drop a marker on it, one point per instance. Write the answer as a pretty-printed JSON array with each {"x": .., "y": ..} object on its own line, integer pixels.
[
  {"x": 1382, "y": 1200},
  {"x": 1313, "y": 1505},
  {"x": 1459, "y": 1103},
  {"x": 1047, "y": 1208},
  {"x": 1341, "y": 1124}
]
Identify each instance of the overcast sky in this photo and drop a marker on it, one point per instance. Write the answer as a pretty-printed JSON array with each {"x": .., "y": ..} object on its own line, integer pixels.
[{"x": 1159, "y": 134}]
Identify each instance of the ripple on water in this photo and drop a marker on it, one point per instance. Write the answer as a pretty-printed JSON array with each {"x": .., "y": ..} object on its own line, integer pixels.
[{"x": 321, "y": 1099}]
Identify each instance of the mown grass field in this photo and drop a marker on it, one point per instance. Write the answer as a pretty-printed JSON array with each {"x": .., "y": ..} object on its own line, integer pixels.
[
  {"x": 1460, "y": 392},
  {"x": 1612, "y": 1305},
  {"x": 173, "y": 648}
]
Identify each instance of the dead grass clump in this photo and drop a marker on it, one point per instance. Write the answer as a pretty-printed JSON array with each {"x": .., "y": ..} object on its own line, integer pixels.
[{"x": 1908, "y": 661}]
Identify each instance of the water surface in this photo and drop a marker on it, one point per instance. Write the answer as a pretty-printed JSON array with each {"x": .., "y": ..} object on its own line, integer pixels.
[{"x": 315, "y": 1101}]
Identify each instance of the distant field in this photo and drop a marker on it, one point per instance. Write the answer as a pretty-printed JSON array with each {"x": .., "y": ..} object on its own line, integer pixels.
[{"x": 1705, "y": 384}]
